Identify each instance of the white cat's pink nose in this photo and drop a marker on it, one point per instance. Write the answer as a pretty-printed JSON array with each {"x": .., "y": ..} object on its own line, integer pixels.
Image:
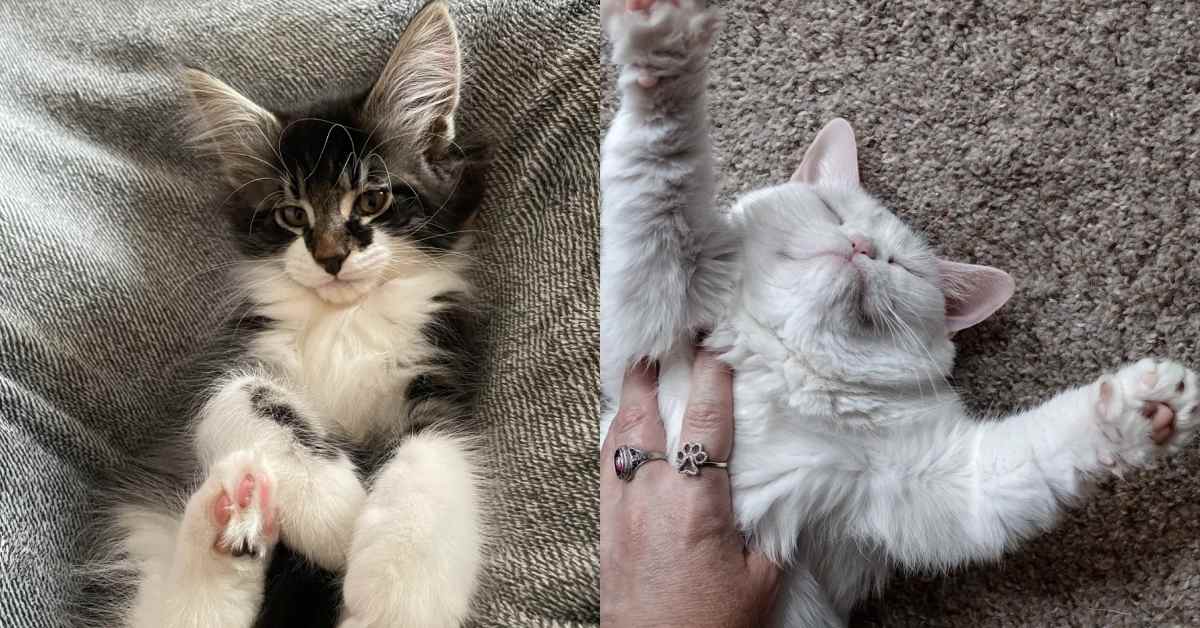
[{"x": 859, "y": 244}]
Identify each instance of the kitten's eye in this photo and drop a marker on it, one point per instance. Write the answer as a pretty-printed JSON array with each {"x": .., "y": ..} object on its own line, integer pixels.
[
  {"x": 292, "y": 216},
  {"x": 371, "y": 202}
]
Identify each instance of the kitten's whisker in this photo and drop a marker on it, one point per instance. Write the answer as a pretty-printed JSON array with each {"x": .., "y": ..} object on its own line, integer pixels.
[
  {"x": 183, "y": 283},
  {"x": 449, "y": 196},
  {"x": 388, "y": 171},
  {"x": 222, "y": 153},
  {"x": 932, "y": 363},
  {"x": 407, "y": 135},
  {"x": 274, "y": 148},
  {"x": 240, "y": 187},
  {"x": 258, "y": 206},
  {"x": 444, "y": 235},
  {"x": 317, "y": 161}
]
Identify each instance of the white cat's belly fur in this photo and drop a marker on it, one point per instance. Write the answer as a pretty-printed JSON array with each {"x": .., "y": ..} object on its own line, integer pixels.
[
  {"x": 830, "y": 573},
  {"x": 799, "y": 480}
]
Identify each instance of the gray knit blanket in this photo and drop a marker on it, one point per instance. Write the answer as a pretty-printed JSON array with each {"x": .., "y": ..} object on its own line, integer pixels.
[{"x": 113, "y": 259}]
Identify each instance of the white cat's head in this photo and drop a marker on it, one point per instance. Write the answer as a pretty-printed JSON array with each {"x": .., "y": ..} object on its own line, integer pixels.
[{"x": 829, "y": 269}]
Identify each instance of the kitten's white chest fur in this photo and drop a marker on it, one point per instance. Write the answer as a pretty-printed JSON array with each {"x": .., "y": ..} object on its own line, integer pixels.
[{"x": 353, "y": 361}]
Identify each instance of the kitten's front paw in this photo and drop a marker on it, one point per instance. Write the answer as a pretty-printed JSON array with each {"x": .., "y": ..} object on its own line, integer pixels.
[
  {"x": 659, "y": 38},
  {"x": 234, "y": 511},
  {"x": 1148, "y": 408}
]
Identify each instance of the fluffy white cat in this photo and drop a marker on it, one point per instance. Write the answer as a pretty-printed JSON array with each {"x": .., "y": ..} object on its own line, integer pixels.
[{"x": 852, "y": 453}]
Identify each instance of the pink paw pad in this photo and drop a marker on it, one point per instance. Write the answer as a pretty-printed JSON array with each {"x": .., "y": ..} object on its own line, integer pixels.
[
  {"x": 267, "y": 507},
  {"x": 223, "y": 507},
  {"x": 1162, "y": 421},
  {"x": 245, "y": 491},
  {"x": 246, "y": 519},
  {"x": 644, "y": 5}
]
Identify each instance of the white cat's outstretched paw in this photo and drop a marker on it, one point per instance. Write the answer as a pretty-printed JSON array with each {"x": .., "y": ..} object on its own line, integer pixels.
[
  {"x": 234, "y": 511},
  {"x": 1147, "y": 409},
  {"x": 659, "y": 38}
]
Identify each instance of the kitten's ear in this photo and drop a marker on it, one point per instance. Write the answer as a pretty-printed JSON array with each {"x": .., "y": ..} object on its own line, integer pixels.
[
  {"x": 416, "y": 95},
  {"x": 232, "y": 126},
  {"x": 973, "y": 292},
  {"x": 832, "y": 158}
]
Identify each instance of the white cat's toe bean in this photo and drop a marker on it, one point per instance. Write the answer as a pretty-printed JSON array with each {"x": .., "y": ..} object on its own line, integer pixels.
[
  {"x": 1169, "y": 382},
  {"x": 664, "y": 36},
  {"x": 1158, "y": 402}
]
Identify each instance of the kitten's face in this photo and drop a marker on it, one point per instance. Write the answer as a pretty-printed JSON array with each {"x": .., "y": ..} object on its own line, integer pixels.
[
  {"x": 828, "y": 266},
  {"x": 357, "y": 191}
]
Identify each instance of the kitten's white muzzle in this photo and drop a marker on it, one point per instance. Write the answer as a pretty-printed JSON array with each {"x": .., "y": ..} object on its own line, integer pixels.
[{"x": 358, "y": 274}]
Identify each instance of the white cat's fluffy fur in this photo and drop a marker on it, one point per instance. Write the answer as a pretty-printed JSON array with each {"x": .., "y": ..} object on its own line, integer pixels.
[{"x": 852, "y": 454}]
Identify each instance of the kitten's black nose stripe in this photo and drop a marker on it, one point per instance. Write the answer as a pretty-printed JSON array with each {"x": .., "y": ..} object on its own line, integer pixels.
[{"x": 331, "y": 264}]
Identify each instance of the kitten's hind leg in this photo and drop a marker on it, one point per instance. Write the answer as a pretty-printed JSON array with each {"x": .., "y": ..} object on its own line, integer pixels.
[
  {"x": 220, "y": 552},
  {"x": 318, "y": 492},
  {"x": 416, "y": 553}
]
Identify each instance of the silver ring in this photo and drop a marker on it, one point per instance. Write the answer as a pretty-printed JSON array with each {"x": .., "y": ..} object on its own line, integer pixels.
[
  {"x": 627, "y": 460},
  {"x": 691, "y": 457}
]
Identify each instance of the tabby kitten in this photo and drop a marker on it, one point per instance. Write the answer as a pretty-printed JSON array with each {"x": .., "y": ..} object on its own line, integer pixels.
[{"x": 328, "y": 474}]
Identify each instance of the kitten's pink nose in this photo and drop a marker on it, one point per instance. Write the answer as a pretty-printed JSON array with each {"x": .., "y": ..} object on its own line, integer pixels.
[{"x": 859, "y": 244}]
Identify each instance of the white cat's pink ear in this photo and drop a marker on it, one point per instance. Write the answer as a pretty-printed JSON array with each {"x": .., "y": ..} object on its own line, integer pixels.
[
  {"x": 973, "y": 292},
  {"x": 832, "y": 158}
]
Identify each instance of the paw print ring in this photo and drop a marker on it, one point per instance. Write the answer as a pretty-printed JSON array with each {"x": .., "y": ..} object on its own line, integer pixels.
[
  {"x": 691, "y": 457},
  {"x": 627, "y": 460}
]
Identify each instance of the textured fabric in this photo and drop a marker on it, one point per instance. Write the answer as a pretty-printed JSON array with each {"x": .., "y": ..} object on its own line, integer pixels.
[
  {"x": 113, "y": 258},
  {"x": 1060, "y": 141}
]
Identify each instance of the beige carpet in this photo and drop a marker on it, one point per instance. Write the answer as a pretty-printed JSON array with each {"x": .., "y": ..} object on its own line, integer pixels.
[{"x": 1055, "y": 140}]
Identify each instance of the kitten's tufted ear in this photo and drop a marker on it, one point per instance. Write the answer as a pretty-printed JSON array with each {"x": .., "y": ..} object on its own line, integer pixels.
[
  {"x": 233, "y": 127},
  {"x": 413, "y": 101},
  {"x": 973, "y": 292},
  {"x": 832, "y": 158}
]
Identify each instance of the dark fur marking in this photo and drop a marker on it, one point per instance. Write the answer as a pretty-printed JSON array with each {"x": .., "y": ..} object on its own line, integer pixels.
[
  {"x": 447, "y": 388},
  {"x": 251, "y": 323},
  {"x": 361, "y": 232},
  {"x": 298, "y": 593},
  {"x": 317, "y": 146},
  {"x": 285, "y": 415}
]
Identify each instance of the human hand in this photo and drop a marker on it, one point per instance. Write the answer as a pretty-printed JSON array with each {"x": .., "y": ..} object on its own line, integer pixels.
[{"x": 670, "y": 554}]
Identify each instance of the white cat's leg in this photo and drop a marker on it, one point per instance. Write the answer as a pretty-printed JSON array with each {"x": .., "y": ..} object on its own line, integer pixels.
[
  {"x": 802, "y": 601},
  {"x": 416, "y": 553},
  {"x": 317, "y": 491},
  {"x": 665, "y": 250},
  {"x": 976, "y": 493},
  {"x": 207, "y": 569},
  {"x": 1032, "y": 462}
]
